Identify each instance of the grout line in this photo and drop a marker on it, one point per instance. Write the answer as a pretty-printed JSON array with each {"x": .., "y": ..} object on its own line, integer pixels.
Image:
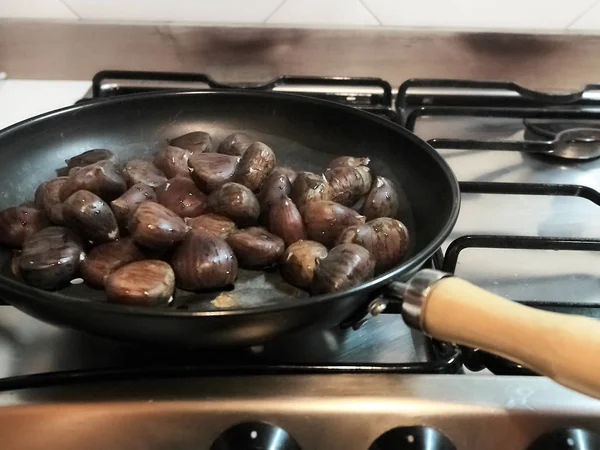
[
  {"x": 362, "y": 2},
  {"x": 579, "y": 16},
  {"x": 66, "y": 5},
  {"x": 277, "y": 8}
]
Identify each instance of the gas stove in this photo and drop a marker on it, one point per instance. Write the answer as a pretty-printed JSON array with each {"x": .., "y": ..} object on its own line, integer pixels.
[{"x": 528, "y": 230}]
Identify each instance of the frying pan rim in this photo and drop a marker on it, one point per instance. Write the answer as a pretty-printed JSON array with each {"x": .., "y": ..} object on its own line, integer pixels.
[{"x": 14, "y": 287}]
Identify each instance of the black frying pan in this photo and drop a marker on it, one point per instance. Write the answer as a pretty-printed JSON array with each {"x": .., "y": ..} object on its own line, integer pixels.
[{"x": 305, "y": 134}]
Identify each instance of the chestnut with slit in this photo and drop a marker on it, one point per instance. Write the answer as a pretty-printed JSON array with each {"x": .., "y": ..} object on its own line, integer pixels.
[
  {"x": 156, "y": 227},
  {"x": 140, "y": 171},
  {"x": 255, "y": 166},
  {"x": 285, "y": 220},
  {"x": 102, "y": 178},
  {"x": 284, "y": 170},
  {"x": 47, "y": 198},
  {"x": 345, "y": 266},
  {"x": 235, "y": 201},
  {"x": 348, "y": 161},
  {"x": 195, "y": 142},
  {"x": 299, "y": 261},
  {"x": 204, "y": 261},
  {"x": 103, "y": 260},
  {"x": 386, "y": 239},
  {"x": 182, "y": 197},
  {"x": 212, "y": 170},
  {"x": 18, "y": 223},
  {"x": 124, "y": 206},
  {"x": 50, "y": 258},
  {"x": 91, "y": 217},
  {"x": 381, "y": 201},
  {"x": 255, "y": 247},
  {"x": 235, "y": 144},
  {"x": 221, "y": 226},
  {"x": 326, "y": 220},
  {"x": 141, "y": 283},
  {"x": 173, "y": 162},
  {"x": 309, "y": 187},
  {"x": 90, "y": 157},
  {"x": 348, "y": 184}
]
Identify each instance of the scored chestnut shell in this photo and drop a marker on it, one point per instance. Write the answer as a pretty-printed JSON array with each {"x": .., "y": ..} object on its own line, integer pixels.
[
  {"x": 255, "y": 247},
  {"x": 50, "y": 258},
  {"x": 204, "y": 261},
  {"x": 276, "y": 185},
  {"x": 286, "y": 221},
  {"x": 91, "y": 157},
  {"x": 348, "y": 184},
  {"x": 345, "y": 266},
  {"x": 140, "y": 171},
  {"x": 256, "y": 165},
  {"x": 91, "y": 217},
  {"x": 102, "y": 178},
  {"x": 141, "y": 283},
  {"x": 386, "y": 239},
  {"x": 326, "y": 220},
  {"x": 212, "y": 170},
  {"x": 173, "y": 162},
  {"x": 124, "y": 206},
  {"x": 182, "y": 197},
  {"x": 299, "y": 261},
  {"x": 381, "y": 201},
  {"x": 195, "y": 142},
  {"x": 18, "y": 223},
  {"x": 235, "y": 201},
  {"x": 221, "y": 226},
  {"x": 283, "y": 170},
  {"x": 156, "y": 227},
  {"x": 348, "y": 161},
  {"x": 47, "y": 198},
  {"x": 101, "y": 261},
  {"x": 309, "y": 187},
  {"x": 235, "y": 144}
]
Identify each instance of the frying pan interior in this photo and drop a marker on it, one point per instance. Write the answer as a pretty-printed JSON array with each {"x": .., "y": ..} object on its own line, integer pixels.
[{"x": 304, "y": 133}]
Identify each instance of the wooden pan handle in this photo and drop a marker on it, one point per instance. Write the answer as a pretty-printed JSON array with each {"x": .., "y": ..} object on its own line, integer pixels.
[{"x": 563, "y": 347}]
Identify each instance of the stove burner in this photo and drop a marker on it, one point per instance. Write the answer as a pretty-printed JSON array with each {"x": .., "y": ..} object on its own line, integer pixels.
[{"x": 567, "y": 140}]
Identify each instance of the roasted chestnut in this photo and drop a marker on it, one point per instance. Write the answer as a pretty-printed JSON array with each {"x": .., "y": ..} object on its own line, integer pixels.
[
  {"x": 256, "y": 165},
  {"x": 348, "y": 184},
  {"x": 276, "y": 185},
  {"x": 326, "y": 220},
  {"x": 173, "y": 162},
  {"x": 348, "y": 161},
  {"x": 124, "y": 206},
  {"x": 212, "y": 170},
  {"x": 235, "y": 144},
  {"x": 221, "y": 226},
  {"x": 345, "y": 266},
  {"x": 309, "y": 187},
  {"x": 18, "y": 223},
  {"x": 381, "y": 201},
  {"x": 235, "y": 201},
  {"x": 255, "y": 247},
  {"x": 89, "y": 215},
  {"x": 386, "y": 239},
  {"x": 156, "y": 227},
  {"x": 182, "y": 197},
  {"x": 50, "y": 258},
  {"x": 141, "y": 283},
  {"x": 47, "y": 198},
  {"x": 102, "y": 178},
  {"x": 103, "y": 260},
  {"x": 299, "y": 261},
  {"x": 204, "y": 261},
  {"x": 283, "y": 170},
  {"x": 139, "y": 171},
  {"x": 285, "y": 220},
  {"x": 195, "y": 142},
  {"x": 91, "y": 157}
]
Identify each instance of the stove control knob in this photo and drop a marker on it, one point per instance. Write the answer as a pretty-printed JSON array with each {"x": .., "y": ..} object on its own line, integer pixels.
[
  {"x": 255, "y": 436},
  {"x": 567, "y": 439},
  {"x": 412, "y": 438}
]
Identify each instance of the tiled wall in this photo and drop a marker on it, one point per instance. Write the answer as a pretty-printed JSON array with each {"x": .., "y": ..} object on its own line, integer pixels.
[{"x": 511, "y": 15}]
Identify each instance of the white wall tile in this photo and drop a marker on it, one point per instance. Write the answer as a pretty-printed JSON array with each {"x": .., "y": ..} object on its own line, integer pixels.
[
  {"x": 323, "y": 12},
  {"x": 479, "y": 14},
  {"x": 34, "y": 9},
  {"x": 590, "y": 21},
  {"x": 201, "y": 11}
]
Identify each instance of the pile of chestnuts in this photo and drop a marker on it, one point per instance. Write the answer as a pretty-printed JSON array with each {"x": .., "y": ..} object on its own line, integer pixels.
[{"x": 189, "y": 218}]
